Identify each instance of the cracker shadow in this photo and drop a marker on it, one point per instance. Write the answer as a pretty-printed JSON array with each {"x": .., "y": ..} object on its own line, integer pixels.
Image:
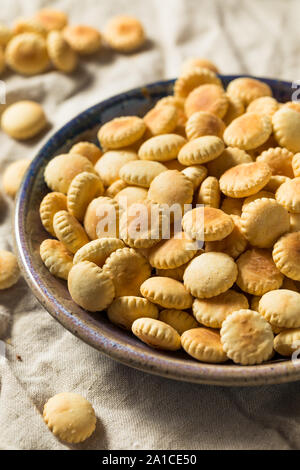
[
  {"x": 105, "y": 56},
  {"x": 97, "y": 441},
  {"x": 148, "y": 45}
]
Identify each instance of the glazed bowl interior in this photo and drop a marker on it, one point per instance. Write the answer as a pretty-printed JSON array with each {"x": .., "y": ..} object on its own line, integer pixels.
[{"x": 95, "y": 329}]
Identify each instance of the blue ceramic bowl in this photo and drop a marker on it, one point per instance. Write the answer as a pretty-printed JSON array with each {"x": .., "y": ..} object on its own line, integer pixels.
[{"x": 95, "y": 329}]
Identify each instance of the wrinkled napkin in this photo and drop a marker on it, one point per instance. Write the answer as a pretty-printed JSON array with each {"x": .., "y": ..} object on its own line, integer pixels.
[{"x": 136, "y": 410}]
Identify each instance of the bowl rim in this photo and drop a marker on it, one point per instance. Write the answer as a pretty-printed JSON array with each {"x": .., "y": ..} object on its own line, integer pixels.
[{"x": 136, "y": 356}]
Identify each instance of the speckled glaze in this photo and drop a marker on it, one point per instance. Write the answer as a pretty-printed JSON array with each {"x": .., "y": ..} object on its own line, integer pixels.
[{"x": 95, "y": 329}]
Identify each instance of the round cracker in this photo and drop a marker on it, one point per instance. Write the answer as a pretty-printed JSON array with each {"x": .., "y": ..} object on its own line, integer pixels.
[
  {"x": 286, "y": 255},
  {"x": 286, "y": 128},
  {"x": 287, "y": 342},
  {"x": 212, "y": 312},
  {"x": 156, "y": 334},
  {"x": 121, "y": 132},
  {"x": 281, "y": 308},
  {"x": 167, "y": 293},
  {"x": 9, "y": 269},
  {"x": 210, "y": 274},
  {"x": 124, "y": 33},
  {"x": 234, "y": 244},
  {"x": 207, "y": 224},
  {"x": 70, "y": 417},
  {"x": 128, "y": 271},
  {"x": 141, "y": 172},
  {"x": 247, "y": 338},
  {"x": 288, "y": 194},
  {"x": 171, "y": 187},
  {"x": 161, "y": 148},
  {"x": 56, "y": 258},
  {"x": 125, "y": 310},
  {"x": 201, "y": 150},
  {"x": 204, "y": 345},
  {"x": 180, "y": 320},
  {"x": 209, "y": 193},
  {"x": 245, "y": 179},
  {"x": 248, "y": 131},
  {"x": 248, "y": 89},
  {"x": 172, "y": 253},
  {"x": 192, "y": 79},
  {"x": 263, "y": 221},
  {"x": 90, "y": 287},
  {"x": 204, "y": 123},
  {"x": 210, "y": 98},
  {"x": 82, "y": 190},
  {"x": 279, "y": 160},
  {"x": 69, "y": 231},
  {"x": 257, "y": 272}
]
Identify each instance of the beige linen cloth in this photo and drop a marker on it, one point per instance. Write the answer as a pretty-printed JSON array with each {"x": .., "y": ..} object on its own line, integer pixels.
[{"x": 136, "y": 410}]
